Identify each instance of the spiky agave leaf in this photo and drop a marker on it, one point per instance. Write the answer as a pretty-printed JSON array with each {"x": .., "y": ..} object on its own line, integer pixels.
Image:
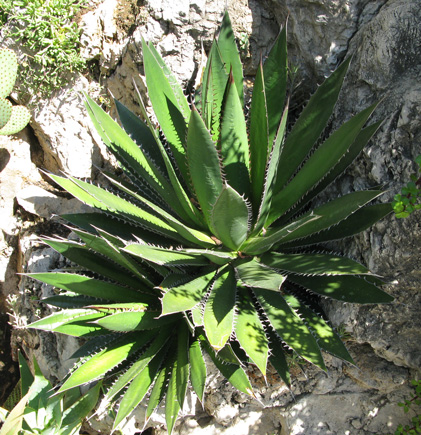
[{"x": 193, "y": 254}]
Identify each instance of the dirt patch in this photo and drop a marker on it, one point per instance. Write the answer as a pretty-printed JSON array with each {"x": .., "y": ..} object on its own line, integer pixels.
[{"x": 129, "y": 14}]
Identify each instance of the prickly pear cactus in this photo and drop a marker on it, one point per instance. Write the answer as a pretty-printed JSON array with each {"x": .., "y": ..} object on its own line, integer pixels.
[{"x": 12, "y": 118}]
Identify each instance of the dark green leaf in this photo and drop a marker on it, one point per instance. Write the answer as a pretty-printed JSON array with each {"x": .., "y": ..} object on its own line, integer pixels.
[
  {"x": 197, "y": 369},
  {"x": 254, "y": 274},
  {"x": 218, "y": 315},
  {"x": 344, "y": 288},
  {"x": 229, "y": 218}
]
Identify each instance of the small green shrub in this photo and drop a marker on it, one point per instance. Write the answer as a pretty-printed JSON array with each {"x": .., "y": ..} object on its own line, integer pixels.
[
  {"x": 408, "y": 404},
  {"x": 210, "y": 242},
  {"x": 407, "y": 201},
  {"x": 46, "y": 28},
  {"x": 41, "y": 412}
]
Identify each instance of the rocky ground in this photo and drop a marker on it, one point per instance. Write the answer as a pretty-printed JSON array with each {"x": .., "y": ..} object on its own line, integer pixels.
[{"x": 383, "y": 36}]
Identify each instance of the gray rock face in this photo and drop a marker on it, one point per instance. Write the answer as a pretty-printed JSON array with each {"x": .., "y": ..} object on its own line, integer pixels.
[{"x": 384, "y": 39}]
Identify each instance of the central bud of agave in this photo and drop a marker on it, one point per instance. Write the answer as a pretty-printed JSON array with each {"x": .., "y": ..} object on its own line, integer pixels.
[{"x": 209, "y": 243}]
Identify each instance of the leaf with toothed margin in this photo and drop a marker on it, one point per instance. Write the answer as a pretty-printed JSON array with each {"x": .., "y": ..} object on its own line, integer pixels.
[
  {"x": 250, "y": 333},
  {"x": 272, "y": 167},
  {"x": 177, "y": 385},
  {"x": 169, "y": 103},
  {"x": 277, "y": 357},
  {"x": 230, "y": 54},
  {"x": 159, "y": 389},
  {"x": 332, "y": 213},
  {"x": 233, "y": 141},
  {"x": 354, "y": 289},
  {"x": 138, "y": 388},
  {"x": 310, "y": 125},
  {"x": 140, "y": 133},
  {"x": 262, "y": 243},
  {"x": 70, "y": 300},
  {"x": 232, "y": 372},
  {"x": 215, "y": 79},
  {"x": 290, "y": 326},
  {"x": 156, "y": 340},
  {"x": 204, "y": 164},
  {"x": 197, "y": 369},
  {"x": 357, "y": 222},
  {"x": 133, "y": 160},
  {"x": 185, "y": 296},
  {"x": 91, "y": 287},
  {"x": 165, "y": 256},
  {"x": 260, "y": 146},
  {"x": 191, "y": 211},
  {"x": 218, "y": 317},
  {"x": 326, "y": 337},
  {"x": 103, "y": 246},
  {"x": 275, "y": 72},
  {"x": 254, "y": 274},
  {"x": 74, "y": 322},
  {"x": 318, "y": 165},
  {"x": 229, "y": 218},
  {"x": 354, "y": 150},
  {"x": 136, "y": 320},
  {"x": 89, "y": 260},
  {"x": 313, "y": 264},
  {"x": 103, "y": 200},
  {"x": 103, "y": 361}
]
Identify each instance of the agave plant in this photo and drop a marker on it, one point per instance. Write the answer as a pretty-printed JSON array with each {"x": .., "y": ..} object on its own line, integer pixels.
[{"x": 208, "y": 242}]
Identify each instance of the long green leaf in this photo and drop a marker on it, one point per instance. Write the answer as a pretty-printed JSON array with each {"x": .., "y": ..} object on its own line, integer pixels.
[
  {"x": 313, "y": 264},
  {"x": 233, "y": 141},
  {"x": 230, "y": 54},
  {"x": 327, "y": 338},
  {"x": 90, "y": 287},
  {"x": 184, "y": 297},
  {"x": 79, "y": 410},
  {"x": 135, "y": 320},
  {"x": 132, "y": 158},
  {"x": 197, "y": 369},
  {"x": 229, "y": 218},
  {"x": 140, "y": 133},
  {"x": 103, "y": 361},
  {"x": 165, "y": 256},
  {"x": 138, "y": 389},
  {"x": 275, "y": 73},
  {"x": 344, "y": 288},
  {"x": 359, "y": 221},
  {"x": 289, "y": 326},
  {"x": 260, "y": 146},
  {"x": 310, "y": 125},
  {"x": 171, "y": 108},
  {"x": 318, "y": 165},
  {"x": 215, "y": 79},
  {"x": 331, "y": 213},
  {"x": 204, "y": 164},
  {"x": 232, "y": 372},
  {"x": 177, "y": 386},
  {"x": 218, "y": 317},
  {"x": 159, "y": 389},
  {"x": 250, "y": 333},
  {"x": 103, "y": 200},
  {"x": 254, "y": 274},
  {"x": 192, "y": 214},
  {"x": 354, "y": 150},
  {"x": 86, "y": 258},
  {"x": 277, "y": 357},
  {"x": 271, "y": 171},
  {"x": 157, "y": 338}
]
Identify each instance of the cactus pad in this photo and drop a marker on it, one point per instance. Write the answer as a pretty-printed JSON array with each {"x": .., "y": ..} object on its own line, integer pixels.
[
  {"x": 8, "y": 71},
  {"x": 20, "y": 117},
  {"x": 5, "y": 112}
]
